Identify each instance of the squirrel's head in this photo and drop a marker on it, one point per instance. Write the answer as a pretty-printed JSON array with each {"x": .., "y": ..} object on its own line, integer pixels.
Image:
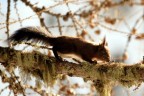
[{"x": 103, "y": 52}]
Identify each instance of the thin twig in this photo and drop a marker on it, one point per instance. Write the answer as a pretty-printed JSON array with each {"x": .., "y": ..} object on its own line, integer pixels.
[
  {"x": 3, "y": 89},
  {"x": 15, "y": 6},
  {"x": 59, "y": 25},
  {"x": 7, "y": 19}
]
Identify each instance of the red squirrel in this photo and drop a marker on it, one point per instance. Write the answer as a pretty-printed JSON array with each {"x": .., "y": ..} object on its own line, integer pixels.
[{"x": 63, "y": 44}]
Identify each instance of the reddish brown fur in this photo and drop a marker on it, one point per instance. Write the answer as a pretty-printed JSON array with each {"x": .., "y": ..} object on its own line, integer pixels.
[{"x": 64, "y": 44}]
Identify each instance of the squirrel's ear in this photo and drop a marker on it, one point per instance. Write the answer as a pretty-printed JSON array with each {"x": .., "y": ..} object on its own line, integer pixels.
[{"x": 104, "y": 43}]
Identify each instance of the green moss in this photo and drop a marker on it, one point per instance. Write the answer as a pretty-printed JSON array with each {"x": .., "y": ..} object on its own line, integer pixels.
[
  {"x": 19, "y": 60},
  {"x": 37, "y": 65}
]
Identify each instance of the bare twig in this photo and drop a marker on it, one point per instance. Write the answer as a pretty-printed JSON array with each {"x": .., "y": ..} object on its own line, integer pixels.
[
  {"x": 59, "y": 25},
  {"x": 7, "y": 20},
  {"x": 15, "y": 6}
]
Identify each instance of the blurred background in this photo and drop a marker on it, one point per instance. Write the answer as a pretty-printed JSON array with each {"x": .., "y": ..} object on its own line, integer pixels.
[{"x": 120, "y": 21}]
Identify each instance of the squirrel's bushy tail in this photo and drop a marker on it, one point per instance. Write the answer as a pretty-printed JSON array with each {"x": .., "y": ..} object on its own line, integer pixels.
[{"x": 32, "y": 34}]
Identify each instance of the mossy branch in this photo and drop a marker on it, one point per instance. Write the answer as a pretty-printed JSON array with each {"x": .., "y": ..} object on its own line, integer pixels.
[{"x": 47, "y": 68}]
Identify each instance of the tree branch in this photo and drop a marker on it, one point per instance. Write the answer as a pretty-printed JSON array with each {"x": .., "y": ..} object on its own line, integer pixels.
[{"x": 46, "y": 68}]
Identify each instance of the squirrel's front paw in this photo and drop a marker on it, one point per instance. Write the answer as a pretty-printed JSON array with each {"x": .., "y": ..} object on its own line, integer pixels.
[
  {"x": 59, "y": 59},
  {"x": 94, "y": 62}
]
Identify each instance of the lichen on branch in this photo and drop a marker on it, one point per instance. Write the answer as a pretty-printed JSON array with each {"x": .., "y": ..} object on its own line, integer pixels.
[{"x": 47, "y": 68}]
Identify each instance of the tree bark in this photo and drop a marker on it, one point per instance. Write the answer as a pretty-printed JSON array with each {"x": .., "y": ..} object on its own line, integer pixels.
[{"x": 47, "y": 68}]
